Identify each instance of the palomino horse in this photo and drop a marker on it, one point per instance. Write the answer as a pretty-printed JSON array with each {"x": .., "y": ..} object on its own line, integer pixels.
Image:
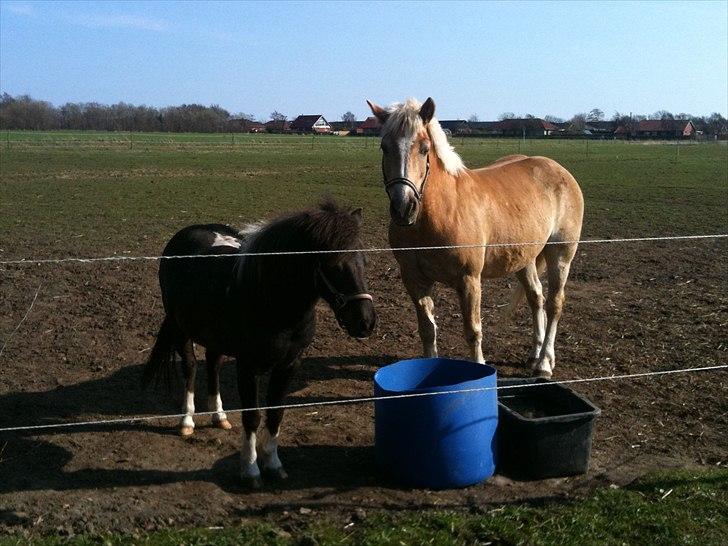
[
  {"x": 258, "y": 309},
  {"x": 434, "y": 200}
]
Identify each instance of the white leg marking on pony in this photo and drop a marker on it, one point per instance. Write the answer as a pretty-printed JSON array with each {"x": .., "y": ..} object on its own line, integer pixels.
[
  {"x": 189, "y": 408},
  {"x": 225, "y": 240},
  {"x": 248, "y": 457},
  {"x": 214, "y": 403},
  {"x": 268, "y": 450}
]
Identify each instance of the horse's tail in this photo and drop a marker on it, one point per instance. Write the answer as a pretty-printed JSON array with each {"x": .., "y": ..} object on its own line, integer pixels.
[
  {"x": 160, "y": 368},
  {"x": 519, "y": 294}
]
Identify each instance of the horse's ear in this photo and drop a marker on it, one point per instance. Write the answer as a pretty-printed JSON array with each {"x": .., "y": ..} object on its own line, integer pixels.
[
  {"x": 427, "y": 110},
  {"x": 357, "y": 214},
  {"x": 379, "y": 112}
]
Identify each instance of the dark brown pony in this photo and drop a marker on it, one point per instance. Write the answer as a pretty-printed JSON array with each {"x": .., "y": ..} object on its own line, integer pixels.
[{"x": 259, "y": 310}]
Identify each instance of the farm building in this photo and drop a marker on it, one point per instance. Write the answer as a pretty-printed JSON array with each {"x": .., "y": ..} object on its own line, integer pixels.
[
  {"x": 243, "y": 125},
  {"x": 278, "y": 126},
  {"x": 455, "y": 126},
  {"x": 486, "y": 128},
  {"x": 369, "y": 126},
  {"x": 310, "y": 124},
  {"x": 601, "y": 129},
  {"x": 663, "y": 129},
  {"x": 528, "y": 127}
]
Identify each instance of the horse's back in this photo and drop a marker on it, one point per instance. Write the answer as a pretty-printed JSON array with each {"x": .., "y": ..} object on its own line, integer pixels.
[{"x": 196, "y": 289}]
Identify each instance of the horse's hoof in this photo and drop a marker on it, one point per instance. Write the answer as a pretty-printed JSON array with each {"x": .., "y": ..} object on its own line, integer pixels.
[
  {"x": 275, "y": 474},
  {"x": 252, "y": 482},
  {"x": 542, "y": 374},
  {"x": 224, "y": 424},
  {"x": 186, "y": 431}
]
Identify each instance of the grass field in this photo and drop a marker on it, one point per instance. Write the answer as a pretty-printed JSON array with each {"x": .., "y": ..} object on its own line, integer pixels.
[
  {"x": 93, "y": 193},
  {"x": 73, "y": 194}
]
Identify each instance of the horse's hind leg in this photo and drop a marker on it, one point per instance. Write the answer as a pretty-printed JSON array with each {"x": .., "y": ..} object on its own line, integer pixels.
[
  {"x": 214, "y": 402},
  {"x": 189, "y": 363},
  {"x": 248, "y": 389},
  {"x": 280, "y": 379},
  {"x": 528, "y": 277},
  {"x": 558, "y": 262}
]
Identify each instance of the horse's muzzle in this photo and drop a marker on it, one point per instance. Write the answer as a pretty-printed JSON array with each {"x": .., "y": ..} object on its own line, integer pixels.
[{"x": 404, "y": 207}]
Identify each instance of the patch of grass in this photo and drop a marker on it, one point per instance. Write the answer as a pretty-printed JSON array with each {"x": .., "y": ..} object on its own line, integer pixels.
[
  {"x": 60, "y": 196},
  {"x": 687, "y": 507}
]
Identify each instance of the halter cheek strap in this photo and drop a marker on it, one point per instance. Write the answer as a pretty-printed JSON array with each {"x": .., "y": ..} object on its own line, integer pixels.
[
  {"x": 340, "y": 300},
  {"x": 419, "y": 194}
]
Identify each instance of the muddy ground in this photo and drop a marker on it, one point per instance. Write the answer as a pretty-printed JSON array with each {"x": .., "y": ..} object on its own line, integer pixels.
[{"x": 631, "y": 308}]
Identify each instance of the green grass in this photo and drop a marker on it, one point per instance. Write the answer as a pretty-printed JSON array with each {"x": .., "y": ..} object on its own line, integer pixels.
[
  {"x": 96, "y": 199},
  {"x": 688, "y": 507}
]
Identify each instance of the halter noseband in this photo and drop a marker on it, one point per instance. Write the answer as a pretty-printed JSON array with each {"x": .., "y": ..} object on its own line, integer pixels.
[
  {"x": 419, "y": 194},
  {"x": 340, "y": 300}
]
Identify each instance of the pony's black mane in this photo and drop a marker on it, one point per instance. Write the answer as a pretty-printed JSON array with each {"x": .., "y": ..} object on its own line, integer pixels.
[
  {"x": 265, "y": 279},
  {"x": 325, "y": 227}
]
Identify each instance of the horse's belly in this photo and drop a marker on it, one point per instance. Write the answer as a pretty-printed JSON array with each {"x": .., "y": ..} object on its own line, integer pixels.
[{"x": 506, "y": 260}]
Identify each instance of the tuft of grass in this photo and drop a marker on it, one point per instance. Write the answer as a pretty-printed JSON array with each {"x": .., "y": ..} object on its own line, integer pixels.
[{"x": 686, "y": 507}]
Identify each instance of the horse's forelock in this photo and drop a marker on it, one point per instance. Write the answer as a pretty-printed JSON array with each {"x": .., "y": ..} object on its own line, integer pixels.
[
  {"x": 404, "y": 121},
  {"x": 333, "y": 227}
]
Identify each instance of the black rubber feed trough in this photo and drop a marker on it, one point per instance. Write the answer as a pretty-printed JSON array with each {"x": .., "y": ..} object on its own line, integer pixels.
[{"x": 544, "y": 431}]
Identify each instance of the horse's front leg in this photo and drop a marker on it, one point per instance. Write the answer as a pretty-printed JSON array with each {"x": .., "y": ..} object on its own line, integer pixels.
[
  {"x": 214, "y": 401},
  {"x": 421, "y": 294},
  {"x": 469, "y": 293},
  {"x": 280, "y": 379},
  {"x": 248, "y": 389}
]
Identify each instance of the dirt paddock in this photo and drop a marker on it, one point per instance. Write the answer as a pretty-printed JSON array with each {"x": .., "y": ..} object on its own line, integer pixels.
[{"x": 630, "y": 308}]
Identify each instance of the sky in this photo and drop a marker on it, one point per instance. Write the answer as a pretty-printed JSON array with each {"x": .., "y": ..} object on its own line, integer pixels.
[{"x": 481, "y": 58}]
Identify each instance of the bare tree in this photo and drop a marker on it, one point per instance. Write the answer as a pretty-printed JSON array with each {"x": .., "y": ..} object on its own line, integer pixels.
[
  {"x": 577, "y": 123},
  {"x": 595, "y": 115},
  {"x": 662, "y": 114},
  {"x": 349, "y": 118},
  {"x": 507, "y": 115},
  {"x": 277, "y": 116},
  {"x": 473, "y": 118},
  {"x": 553, "y": 119}
]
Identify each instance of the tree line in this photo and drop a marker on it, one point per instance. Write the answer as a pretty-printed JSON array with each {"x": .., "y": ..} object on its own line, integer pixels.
[{"x": 24, "y": 112}]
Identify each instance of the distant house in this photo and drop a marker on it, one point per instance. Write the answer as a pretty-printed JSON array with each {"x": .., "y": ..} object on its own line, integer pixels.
[
  {"x": 526, "y": 127},
  {"x": 455, "y": 126},
  {"x": 659, "y": 129},
  {"x": 278, "y": 126},
  {"x": 485, "y": 128},
  {"x": 601, "y": 129},
  {"x": 243, "y": 125},
  {"x": 310, "y": 124},
  {"x": 369, "y": 126},
  {"x": 665, "y": 128}
]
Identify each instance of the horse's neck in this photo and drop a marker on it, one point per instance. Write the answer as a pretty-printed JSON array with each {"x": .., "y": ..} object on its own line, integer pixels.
[{"x": 280, "y": 289}]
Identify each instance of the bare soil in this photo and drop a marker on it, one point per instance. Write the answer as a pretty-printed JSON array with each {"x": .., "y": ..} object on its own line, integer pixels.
[{"x": 630, "y": 308}]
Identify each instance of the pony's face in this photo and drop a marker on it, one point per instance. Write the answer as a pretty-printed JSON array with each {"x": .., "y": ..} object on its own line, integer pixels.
[
  {"x": 342, "y": 284},
  {"x": 405, "y": 158}
]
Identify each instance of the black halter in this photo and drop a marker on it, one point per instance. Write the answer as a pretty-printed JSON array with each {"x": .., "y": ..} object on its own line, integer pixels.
[
  {"x": 419, "y": 194},
  {"x": 339, "y": 300}
]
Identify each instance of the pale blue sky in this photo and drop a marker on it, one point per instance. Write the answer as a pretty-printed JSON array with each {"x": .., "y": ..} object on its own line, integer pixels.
[{"x": 306, "y": 57}]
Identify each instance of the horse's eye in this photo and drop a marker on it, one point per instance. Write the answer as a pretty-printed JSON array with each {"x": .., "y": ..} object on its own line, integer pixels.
[{"x": 424, "y": 149}]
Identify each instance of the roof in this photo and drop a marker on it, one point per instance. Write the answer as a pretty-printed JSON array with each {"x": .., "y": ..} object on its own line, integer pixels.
[
  {"x": 662, "y": 125},
  {"x": 370, "y": 123},
  {"x": 452, "y": 123},
  {"x": 530, "y": 123},
  {"x": 306, "y": 122}
]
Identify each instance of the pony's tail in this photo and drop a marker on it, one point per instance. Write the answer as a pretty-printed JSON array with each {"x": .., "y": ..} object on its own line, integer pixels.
[
  {"x": 160, "y": 368},
  {"x": 519, "y": 294}
]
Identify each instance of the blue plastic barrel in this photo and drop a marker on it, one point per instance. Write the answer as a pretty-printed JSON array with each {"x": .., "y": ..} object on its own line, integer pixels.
[{"x": 440, "y": 441}]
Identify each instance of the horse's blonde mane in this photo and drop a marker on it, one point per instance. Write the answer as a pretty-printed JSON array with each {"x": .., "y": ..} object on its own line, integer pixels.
[{"x": 404, "y": 119}]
